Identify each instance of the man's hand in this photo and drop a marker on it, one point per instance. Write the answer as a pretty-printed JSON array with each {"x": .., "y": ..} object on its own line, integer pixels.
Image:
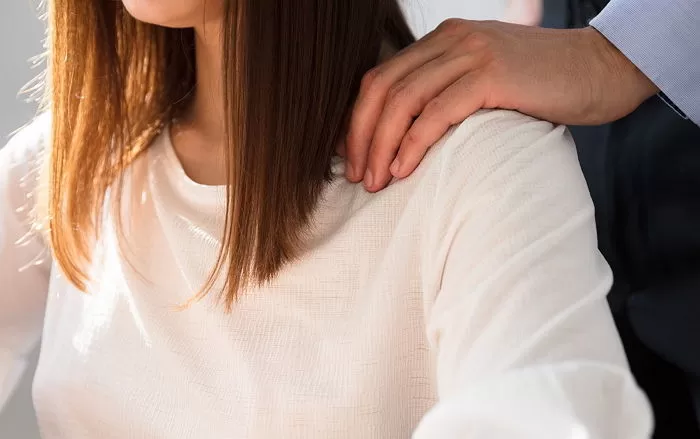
[{"x": 408, "y": 103}]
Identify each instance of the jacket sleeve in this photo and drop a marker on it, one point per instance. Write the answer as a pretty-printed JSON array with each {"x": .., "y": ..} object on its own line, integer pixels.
[{"x": 662, "y": 39}]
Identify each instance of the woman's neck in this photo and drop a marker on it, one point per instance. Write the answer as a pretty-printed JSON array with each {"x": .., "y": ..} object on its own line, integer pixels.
[
  {"x": 207, "y": 111},
  {"x": 199, "y": 136},
  {"x": 206, "y": 115}
]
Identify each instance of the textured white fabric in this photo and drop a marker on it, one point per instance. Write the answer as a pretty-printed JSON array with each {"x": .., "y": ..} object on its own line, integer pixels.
[{"x": 467, "y": 301}]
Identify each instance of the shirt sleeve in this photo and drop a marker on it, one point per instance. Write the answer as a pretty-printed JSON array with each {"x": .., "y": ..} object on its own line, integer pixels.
[
  {"x": 24, "y": 259},
  {"x": 525, "y": 343},
  {"x": 662, "y": 38}
]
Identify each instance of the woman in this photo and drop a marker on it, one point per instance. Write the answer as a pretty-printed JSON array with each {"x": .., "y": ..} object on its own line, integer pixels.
[{"x": 234, "y": 285}]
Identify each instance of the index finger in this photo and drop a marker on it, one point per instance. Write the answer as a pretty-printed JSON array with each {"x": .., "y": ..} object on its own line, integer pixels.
[{"x": 372, "y": 97}]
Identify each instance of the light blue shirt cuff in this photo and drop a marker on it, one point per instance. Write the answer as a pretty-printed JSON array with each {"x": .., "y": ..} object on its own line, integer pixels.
[{"x": 662, "y": 38}]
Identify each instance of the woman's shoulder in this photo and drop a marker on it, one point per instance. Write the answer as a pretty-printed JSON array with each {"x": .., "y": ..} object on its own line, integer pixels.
[
  {"x": 28, "y": 144},
  {"x": 22, "y": 162},
  {"x": 498, "y": 149},
  {"x": 490, "y": 140}
]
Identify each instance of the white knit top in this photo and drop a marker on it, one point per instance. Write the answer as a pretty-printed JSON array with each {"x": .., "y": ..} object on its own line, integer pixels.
[{"x": 467, "y": 301}]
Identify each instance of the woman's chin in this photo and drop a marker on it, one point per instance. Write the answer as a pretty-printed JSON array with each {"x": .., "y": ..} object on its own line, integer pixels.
[{"x": 174, "y": 13}]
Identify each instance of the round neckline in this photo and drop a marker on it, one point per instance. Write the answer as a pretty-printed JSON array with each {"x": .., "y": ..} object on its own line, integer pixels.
[{"x": 200, "y": 193}]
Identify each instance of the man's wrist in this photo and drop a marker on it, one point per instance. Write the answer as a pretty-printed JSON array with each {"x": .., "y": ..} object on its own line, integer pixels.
[{"x": 609, "y": 67}]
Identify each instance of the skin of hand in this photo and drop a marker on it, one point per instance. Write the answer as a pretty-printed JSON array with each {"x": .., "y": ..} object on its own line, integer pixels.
[{"x": 407, "y": 103}]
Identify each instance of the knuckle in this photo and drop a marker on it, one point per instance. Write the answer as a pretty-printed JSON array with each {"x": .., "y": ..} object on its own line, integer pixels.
[
  {"x": 452, "y": 26},
  {"x": 412, "y": 139},
  {"x": 434, "y": 109},
  {"x": 476, "y": 41},
  {"x": 372, "y": 80},
  {"x": 397, "y": 94}
]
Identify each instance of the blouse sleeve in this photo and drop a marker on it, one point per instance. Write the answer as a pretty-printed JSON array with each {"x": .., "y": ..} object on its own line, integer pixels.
[
  {"x": 24, "y": 259},
  {"x": 525, "y": 343}
]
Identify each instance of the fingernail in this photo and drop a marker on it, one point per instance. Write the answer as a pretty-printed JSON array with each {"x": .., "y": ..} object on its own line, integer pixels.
[
  {"x": 394, "y": 168},
  {"x": 368, "y": 179}
]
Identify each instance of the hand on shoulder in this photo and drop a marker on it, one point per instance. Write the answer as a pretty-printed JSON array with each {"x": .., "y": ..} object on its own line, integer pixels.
[{"x": 409, "y": 102}]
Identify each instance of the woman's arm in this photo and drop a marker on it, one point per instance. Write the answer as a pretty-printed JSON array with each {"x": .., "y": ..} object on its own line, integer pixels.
[
  {"x": 24, "y": 260},
  {"x": 526, "y": 346}
]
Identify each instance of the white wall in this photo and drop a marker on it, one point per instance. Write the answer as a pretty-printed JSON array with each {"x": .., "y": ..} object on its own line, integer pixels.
[
  {"x": 425, "y": 15},
  {"x": 20, "y": 39}
]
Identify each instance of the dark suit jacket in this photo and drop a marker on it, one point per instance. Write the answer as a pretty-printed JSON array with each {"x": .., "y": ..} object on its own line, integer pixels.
[{"x": 644, "y": 175}]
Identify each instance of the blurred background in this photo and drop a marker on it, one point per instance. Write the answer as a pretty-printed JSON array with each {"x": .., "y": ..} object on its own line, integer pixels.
[{"x": 21, "y": 35}]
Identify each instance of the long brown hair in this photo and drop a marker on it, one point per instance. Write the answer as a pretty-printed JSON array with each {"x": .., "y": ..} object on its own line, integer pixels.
[{"x": 292, "y": 69}]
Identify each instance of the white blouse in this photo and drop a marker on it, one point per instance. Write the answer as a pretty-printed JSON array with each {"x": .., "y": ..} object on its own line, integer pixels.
[{"x": 467, "y": 301}]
